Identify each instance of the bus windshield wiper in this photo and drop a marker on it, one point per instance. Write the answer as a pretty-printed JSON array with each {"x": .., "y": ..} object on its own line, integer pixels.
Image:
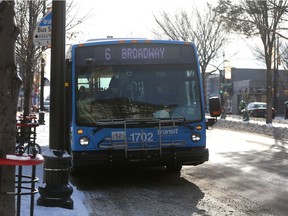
[{"x": 110, "y": 122}]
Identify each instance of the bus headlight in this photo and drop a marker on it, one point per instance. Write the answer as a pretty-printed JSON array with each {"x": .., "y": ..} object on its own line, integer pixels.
[
  {"x": 84, "y": 141},
  {"x": 195, "y": 137}
]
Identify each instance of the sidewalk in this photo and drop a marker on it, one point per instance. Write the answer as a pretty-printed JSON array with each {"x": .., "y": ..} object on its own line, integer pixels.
[{"x": 77, "y": 196}]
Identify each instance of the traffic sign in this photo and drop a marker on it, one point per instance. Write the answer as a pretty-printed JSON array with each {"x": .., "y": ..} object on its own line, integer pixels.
[{"x": 42, "y": 32}]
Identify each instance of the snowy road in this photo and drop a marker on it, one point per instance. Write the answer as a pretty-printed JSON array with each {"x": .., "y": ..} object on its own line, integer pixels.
[{"x": 246, "y": 175}]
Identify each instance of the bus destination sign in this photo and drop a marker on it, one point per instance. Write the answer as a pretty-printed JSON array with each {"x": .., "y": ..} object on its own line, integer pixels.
[{"x": 135, "y": 54}]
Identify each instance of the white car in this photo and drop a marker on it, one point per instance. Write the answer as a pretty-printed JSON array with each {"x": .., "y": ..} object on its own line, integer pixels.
[{"x": 46, "y": 105}]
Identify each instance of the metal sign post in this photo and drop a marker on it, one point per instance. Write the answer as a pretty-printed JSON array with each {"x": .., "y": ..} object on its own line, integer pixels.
[{"x": 42, "y": 37}]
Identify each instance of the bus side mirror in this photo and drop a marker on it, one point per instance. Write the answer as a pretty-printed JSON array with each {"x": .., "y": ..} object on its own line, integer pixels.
[
  {"x": 214, "y": 107},
  {"x": 215, "y": 111}
]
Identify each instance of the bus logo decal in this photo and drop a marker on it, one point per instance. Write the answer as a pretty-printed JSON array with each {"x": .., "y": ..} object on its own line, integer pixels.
[{"x": 173, "y": 131}]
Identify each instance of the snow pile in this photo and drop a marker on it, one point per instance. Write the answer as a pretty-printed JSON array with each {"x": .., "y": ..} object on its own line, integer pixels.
[
  {"x": 277, "y": 130},
  {"x": 77, "y": 196}
]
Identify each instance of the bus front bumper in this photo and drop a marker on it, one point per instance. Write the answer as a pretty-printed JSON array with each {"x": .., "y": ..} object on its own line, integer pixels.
[{"x": 163, "y": 157}]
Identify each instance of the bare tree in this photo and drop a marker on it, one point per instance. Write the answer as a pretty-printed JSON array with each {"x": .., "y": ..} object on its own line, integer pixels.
[
  {"x": 284, "y": 55},
  {"x": 10, "y": 84},
  {"x": 210, "y": 37},
  {"x": 264, "y": 19},
  {"x": 206, "y": 30},
  {"x": 73, "y": 19},
  {"x": 29, "y": 13},
  {"x": 177, "y": 27}
]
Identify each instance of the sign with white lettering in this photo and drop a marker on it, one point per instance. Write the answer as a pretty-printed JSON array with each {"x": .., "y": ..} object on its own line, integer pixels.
[
  {"x": 141, "y": 53},
  {"x": 42, "y": 32}
]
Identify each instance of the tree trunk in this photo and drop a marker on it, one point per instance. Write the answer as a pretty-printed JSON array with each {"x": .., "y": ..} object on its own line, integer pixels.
[
  {"x": 30, "y": 64},
  {"x": 10, "y": 84},
  {"x": 27, "y": 82}
]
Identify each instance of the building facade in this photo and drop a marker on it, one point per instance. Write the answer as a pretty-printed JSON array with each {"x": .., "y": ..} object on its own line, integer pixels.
[{"x": 249, "y": 85}]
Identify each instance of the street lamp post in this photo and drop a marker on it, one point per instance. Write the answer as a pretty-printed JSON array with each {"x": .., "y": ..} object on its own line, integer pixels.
[
  {"x": 56, "y": 191},
  {"x": 222, "y": 89}
]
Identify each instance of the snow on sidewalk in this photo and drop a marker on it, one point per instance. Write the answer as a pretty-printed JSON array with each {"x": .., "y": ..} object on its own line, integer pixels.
[{"x": 77, "y": 196}]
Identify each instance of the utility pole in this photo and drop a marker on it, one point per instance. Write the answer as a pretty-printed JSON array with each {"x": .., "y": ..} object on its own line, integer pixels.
[
  {"x": 56, "y": 191},
  {"x": 276, "y": 74},
  {"x": 41, "y": 112},
  {"x": 223, "y": 88}
]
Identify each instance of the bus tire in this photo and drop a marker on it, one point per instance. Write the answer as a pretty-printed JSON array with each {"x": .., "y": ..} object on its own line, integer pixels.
[
  {"x": 74, "y": 171},
  {"x": 175, "y": 168}
]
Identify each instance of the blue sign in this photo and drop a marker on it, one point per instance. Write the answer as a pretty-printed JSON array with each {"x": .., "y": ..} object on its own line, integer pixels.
[{"x": 47, "y": 20}]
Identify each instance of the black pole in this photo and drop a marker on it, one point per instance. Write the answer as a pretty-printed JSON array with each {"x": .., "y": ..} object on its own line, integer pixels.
[
  {"x": 56, "y": 191},
  {"x": 57, "y": 75},
  {"x": 276, "y": 72},
  {"x": 41, "y": 112}
]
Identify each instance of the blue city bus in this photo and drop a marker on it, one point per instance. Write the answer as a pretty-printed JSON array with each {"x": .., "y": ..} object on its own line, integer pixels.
[{"x": 137, "y": 102}]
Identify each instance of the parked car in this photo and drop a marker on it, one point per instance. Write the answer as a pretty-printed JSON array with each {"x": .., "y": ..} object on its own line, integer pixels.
[
  {"x": 258, "y": 109},
  {"x": 46, "y": 105}
]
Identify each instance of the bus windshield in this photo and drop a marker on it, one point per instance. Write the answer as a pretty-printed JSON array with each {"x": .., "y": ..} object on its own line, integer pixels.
[{"x": 137, "y": 91}]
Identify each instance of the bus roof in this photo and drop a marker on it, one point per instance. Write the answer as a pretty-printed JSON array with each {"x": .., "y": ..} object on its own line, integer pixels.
[
  {"x": 103, "y": 41},
  {"x": 128, "y": 40}
]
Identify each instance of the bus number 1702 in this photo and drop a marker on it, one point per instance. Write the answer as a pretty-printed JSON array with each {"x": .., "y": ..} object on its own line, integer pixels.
[{"x": 142, "y": 137}]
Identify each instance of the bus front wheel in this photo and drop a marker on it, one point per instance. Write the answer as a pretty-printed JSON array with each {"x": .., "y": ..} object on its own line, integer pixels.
[{"x": 175, "y": 168}]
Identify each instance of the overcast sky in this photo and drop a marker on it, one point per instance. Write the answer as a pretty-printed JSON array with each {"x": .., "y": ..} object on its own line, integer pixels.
[
  {"x": 130, "y": 18},
  {"x": 127, "y": 18}
]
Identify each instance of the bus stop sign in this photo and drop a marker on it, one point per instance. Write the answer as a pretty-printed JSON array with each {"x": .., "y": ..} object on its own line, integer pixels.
[{"x": 42, "y": 32}]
